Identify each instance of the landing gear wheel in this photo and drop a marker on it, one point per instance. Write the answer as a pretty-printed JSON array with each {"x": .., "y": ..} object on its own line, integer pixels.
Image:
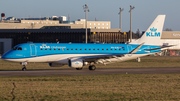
[
  {"x": 78, "y": 68},
  {"x": 92, "y": 67},
  {"x": 24, "y": 68},
  {"x": 138, "y": 59}
]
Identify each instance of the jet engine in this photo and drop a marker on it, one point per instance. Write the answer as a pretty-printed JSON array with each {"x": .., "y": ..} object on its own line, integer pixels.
[
  {"x": 75, "y": 63},
  {"x": 55, "y": 65}
]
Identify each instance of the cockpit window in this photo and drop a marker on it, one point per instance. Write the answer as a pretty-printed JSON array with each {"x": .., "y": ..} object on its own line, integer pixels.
[
  {"x": 19, "y": 48},
  {"x": 14, "y": 48}
]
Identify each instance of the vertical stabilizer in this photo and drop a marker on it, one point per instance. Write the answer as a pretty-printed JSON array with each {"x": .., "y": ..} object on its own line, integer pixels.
[{"x": 153, "y": 34}]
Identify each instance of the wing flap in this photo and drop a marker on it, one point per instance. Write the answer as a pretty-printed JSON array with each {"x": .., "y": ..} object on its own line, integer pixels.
[{"x": 94, "y": 58}]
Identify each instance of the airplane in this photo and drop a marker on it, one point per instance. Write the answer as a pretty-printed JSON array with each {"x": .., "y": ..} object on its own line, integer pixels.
[{"x": 77, "y": 55}]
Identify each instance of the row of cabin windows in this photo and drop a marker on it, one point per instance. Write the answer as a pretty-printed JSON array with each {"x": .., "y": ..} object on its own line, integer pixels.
[{"x": 84, "y": 49}]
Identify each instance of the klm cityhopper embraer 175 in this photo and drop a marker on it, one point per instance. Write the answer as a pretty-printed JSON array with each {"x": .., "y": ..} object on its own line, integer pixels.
[{"x": 77, "y": 55}]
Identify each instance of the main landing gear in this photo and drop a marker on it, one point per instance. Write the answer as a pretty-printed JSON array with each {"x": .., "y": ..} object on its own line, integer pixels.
[
  {"x": 24, "y": 66},
  {"x": 92, "y": 67}
]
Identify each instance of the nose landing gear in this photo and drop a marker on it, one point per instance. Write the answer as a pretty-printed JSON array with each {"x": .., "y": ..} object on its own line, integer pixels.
[{"x": 24, "y": 66}]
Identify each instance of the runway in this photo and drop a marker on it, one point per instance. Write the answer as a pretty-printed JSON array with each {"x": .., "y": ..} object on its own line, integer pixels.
[{"x": 98, "y": 71}]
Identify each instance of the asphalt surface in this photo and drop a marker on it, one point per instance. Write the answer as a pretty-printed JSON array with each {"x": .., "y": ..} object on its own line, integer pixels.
[{"x": 98, "y": 71}]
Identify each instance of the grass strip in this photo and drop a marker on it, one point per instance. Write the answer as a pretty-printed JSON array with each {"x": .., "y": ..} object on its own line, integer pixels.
[{"x": 92, "y": 87}]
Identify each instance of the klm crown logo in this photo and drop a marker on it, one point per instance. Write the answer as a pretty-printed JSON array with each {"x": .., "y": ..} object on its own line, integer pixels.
[
  {"x": 77, "y": 63},
  {"x": 153, "y": 33}
]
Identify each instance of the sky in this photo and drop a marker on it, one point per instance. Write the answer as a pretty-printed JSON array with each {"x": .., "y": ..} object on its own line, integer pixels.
[{"x": 143, "y": 14}]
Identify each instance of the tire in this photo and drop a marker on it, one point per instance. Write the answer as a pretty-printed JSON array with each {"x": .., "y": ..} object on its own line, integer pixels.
[
  {"x": 23, "y": 69},
  {"x": 92, "y": 67}
]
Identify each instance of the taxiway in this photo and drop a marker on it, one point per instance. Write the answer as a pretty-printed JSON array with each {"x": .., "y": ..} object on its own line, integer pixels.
[{"x": 98, "y": 71}]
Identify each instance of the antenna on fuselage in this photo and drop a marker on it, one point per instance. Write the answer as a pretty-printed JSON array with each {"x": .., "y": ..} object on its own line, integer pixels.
[{"x": 57, "y": 40}]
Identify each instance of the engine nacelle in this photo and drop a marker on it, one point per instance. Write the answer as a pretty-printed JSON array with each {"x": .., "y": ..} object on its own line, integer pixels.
[
  {"x": 55, "y": 65},
  {"x": 75, "y": 63}
]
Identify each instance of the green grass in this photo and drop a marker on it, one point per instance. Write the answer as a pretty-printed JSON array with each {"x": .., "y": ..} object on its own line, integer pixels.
[
  {"x": 145, "y": 62},
  {"x": 92, "y": 87},
  {"x": 124, "y": 87}
]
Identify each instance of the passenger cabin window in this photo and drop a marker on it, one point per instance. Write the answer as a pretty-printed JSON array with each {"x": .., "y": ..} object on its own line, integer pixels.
[{"x": 123, "y": 48}]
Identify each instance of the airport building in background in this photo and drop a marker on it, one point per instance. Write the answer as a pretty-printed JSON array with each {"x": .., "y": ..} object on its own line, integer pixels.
[
  {"x": 14, "y": 31},
  {"x": 171, "y": 38},
  {"x": 18, "y": 36},
  {"x": 56, "y": 29},
  {"x": 54, "y": 21}
]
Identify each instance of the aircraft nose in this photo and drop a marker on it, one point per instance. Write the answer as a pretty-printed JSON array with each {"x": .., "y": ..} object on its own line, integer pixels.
[{"x": 6, "y": 56}]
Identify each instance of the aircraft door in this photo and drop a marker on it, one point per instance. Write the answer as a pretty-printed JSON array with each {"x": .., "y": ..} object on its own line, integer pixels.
[
  {"x": 129, "y": 48},
  {"x": 33, "y": 50}
]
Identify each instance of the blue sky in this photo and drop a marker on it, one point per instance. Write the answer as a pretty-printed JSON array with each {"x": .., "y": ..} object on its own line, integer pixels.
[{"x": 103, "y": 10}]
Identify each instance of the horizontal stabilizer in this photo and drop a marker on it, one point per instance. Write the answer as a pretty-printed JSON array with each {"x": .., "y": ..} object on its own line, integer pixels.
[{"x": 159, "y": 47}]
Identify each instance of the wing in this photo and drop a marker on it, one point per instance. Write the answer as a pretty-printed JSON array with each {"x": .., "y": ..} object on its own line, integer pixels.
[{"x": 107, "y": 58}]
